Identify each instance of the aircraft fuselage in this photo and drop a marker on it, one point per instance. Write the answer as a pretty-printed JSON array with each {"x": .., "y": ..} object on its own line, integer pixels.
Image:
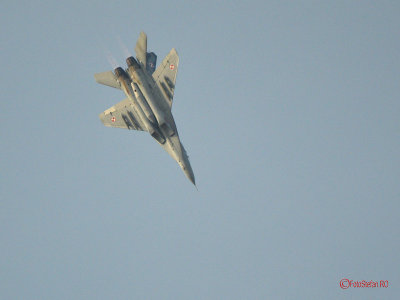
[
  {"x": 158, "y": 119},
  {"x": 149, "y": 96}
]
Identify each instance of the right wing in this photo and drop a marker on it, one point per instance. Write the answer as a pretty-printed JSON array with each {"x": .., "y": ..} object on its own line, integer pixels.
[
  {"x": 107, "y": 78},
  {"x": 165, "y": 75},
  {"x": 122, "y": 115}
]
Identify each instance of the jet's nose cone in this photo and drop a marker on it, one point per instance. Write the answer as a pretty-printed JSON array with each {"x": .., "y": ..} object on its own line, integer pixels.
[
  {"x": 187, "y": 169},
  {"x": 189, "y": 174}
]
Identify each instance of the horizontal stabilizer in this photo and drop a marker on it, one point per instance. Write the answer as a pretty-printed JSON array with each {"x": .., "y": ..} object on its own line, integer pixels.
[{"x": 107, "y": 78}]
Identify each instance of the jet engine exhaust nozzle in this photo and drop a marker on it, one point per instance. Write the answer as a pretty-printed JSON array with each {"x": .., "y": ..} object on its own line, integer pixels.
[
  {"x": 131, "y": 62},
  {"x": 120, "y": 72}
]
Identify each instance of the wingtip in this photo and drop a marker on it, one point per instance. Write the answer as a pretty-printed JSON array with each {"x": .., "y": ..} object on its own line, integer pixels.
[{"x": 174, "y": 50}]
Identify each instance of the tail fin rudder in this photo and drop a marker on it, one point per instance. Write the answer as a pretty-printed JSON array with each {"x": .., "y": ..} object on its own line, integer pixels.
[{"x": 141, "y": 48}]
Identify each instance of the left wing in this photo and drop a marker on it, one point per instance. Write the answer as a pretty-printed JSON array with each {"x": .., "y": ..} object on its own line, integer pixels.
[
  {"x": 165, "y": 75},
  {"x": 122, "y": 115}
]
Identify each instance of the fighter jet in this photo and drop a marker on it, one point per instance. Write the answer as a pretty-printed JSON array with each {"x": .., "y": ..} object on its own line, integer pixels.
[{"x": 147, "y": 106}]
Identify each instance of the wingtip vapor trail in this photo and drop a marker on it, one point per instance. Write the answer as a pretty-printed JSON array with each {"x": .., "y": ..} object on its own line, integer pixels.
[
  {"x": 113, "y": 62},
  {"x": 125, "y": 49}
]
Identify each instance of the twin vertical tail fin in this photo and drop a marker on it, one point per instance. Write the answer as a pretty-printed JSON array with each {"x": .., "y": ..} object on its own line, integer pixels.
[
  {"x": 141, "y": 48},
  {"x": 148, "y": 59}
]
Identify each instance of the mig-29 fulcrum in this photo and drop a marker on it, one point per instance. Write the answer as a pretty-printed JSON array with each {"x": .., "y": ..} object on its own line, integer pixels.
[{"x": 147, "y": 106}]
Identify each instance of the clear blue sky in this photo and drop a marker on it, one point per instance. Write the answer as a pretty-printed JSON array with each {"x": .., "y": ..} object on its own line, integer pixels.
[{"x": 290, "y": 114}]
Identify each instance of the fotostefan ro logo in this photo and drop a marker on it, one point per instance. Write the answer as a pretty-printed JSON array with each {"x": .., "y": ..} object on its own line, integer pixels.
[{"x": 348, "y": 283}]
